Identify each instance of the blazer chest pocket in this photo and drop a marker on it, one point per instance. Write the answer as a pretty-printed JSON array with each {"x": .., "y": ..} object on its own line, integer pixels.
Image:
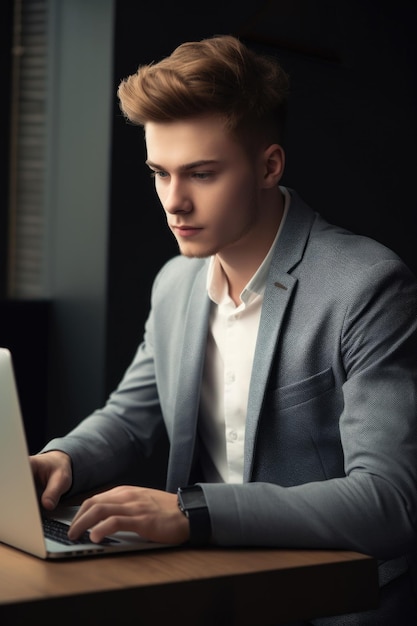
[{"x": 303, "y": 390}]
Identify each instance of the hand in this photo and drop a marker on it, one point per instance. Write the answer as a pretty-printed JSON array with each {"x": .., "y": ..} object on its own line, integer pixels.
[
  {"x": 53, "y": 473},
  {"x": 151, "y": 513}
]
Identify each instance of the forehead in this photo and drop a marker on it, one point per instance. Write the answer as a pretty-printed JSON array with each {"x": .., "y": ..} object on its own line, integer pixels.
[{"x": 190, "y": 140}]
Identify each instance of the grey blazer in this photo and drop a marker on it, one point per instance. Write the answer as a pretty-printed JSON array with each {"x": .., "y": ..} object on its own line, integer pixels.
[{"x": 331, "y": 429}]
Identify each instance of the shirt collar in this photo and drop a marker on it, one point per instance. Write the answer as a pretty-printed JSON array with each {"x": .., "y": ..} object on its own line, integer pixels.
[{"x": 216, "y": 280}]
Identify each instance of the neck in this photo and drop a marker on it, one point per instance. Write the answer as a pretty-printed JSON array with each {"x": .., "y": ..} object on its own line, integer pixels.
[{"x": 240, "y": 262}]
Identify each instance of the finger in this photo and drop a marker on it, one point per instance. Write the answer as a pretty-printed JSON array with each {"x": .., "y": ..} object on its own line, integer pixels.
[
  {"x": 52, "y": 477},
  {"x": 109, "y": 517},
  {"x": 41, "y": 477},
  {"x": 38, "y": 470},
  {"x": 84, "y": 507},
  {"x": 57, "y": 485},
  {"x": 51, "y": 495},
  {"x": 91, "y": 515},
  {"x": 111, "y": 525},
  {"x": 117, "y": 496}
]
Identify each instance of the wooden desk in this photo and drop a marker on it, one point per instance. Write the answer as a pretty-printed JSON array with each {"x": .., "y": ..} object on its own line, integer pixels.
[{"x": 190, "y": 587}]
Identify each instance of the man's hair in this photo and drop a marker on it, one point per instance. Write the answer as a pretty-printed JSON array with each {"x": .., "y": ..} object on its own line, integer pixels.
[{"x": 218, "y": 75}]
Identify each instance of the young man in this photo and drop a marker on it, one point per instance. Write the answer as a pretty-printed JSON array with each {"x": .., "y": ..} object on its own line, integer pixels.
[{"x": 280, "y": 353}]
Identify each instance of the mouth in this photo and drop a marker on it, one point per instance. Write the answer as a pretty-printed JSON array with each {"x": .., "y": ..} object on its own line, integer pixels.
[{"x": 186, "y": 231}]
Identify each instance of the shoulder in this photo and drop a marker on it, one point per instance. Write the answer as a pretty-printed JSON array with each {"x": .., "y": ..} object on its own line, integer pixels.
[
  {"x": 343, "y": 267},
  {"x": 333, "y": 249},
  {"x": 342, "y": 246},
  {"x": 355, "y": 263}
]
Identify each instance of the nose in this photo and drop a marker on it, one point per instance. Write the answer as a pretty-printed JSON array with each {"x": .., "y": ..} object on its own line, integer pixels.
[{"x": 175, "y": 198}]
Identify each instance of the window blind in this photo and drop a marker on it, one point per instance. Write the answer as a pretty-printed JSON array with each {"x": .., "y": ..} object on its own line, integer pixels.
[{"x": 28, "y": 150}]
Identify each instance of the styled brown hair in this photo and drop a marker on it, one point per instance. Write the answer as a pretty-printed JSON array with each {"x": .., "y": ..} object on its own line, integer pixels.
[{"x": 218, "y": 75}]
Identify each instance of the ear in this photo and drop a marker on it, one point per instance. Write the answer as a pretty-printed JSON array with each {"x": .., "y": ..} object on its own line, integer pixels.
[{"x": 273, "y": 165}]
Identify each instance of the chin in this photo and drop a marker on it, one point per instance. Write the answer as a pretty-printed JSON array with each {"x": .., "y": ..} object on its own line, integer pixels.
[{"x": 196, "y": 253}]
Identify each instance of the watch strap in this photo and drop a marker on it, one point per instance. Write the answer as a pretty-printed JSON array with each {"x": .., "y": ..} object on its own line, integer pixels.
[{"x": 192, "y": 504}]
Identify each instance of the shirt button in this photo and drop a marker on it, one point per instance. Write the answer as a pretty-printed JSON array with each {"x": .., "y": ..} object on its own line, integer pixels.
[{"x": 232, "y": 436}]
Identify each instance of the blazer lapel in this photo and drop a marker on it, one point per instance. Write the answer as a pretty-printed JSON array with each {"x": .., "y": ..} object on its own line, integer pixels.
[
  {"x": 278, "y": 292},
  {"x": 190, "y": 364},
  {"x": 279, "y": 288}
]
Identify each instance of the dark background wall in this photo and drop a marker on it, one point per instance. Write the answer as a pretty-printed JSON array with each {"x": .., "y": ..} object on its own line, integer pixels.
[
  {"x": 351, "y": 153},
  {"x": 351, "y": 137}
]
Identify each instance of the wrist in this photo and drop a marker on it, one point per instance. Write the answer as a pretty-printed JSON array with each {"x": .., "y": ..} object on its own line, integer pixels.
[{"x": 192, "y": 504}]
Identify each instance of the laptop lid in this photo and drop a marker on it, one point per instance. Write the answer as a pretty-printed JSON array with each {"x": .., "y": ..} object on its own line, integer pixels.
[{"x": 20, "y": 520}]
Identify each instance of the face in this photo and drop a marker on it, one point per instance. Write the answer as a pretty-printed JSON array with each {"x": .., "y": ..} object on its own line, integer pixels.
[{"x": 209, "y": 185}]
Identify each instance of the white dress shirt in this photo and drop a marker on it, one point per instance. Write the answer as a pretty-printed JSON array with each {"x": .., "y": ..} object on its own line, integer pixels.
[{"x": 228, "y": 366}]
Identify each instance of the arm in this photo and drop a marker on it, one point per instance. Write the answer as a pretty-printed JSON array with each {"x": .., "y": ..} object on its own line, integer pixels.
[
  {"x": 116, "y": 439},
  {"x": 119, "y": 436},
  {"x": 373, "y": 508}
]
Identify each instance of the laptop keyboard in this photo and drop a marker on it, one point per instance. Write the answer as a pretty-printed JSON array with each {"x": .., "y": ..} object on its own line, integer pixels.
[{"x": 58, "y": 531}]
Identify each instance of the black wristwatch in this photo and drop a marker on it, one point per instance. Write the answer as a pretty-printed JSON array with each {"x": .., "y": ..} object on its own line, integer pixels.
[{"x": 192, "y": 504}]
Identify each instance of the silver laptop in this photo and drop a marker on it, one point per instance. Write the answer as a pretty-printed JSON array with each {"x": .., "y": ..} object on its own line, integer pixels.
[{"x": 21, "y": 518}]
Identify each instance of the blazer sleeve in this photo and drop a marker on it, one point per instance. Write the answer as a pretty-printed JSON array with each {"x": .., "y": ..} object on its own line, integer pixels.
[
  {"x": 373, "y": 507},
  {"x": 117, "y": 438}
]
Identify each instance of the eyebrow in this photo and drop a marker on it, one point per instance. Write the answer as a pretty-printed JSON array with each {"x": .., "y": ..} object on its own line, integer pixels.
[{"x": 186, "y": 166}]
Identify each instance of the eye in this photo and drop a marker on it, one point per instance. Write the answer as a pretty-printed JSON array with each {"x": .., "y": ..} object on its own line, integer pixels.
[
  {"x": 158, "y": 174},
  {"x": 202, "y": 175}
]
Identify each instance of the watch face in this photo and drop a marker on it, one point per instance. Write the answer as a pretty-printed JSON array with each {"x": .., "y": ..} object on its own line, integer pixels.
[{"x": 192, "y": 498}]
